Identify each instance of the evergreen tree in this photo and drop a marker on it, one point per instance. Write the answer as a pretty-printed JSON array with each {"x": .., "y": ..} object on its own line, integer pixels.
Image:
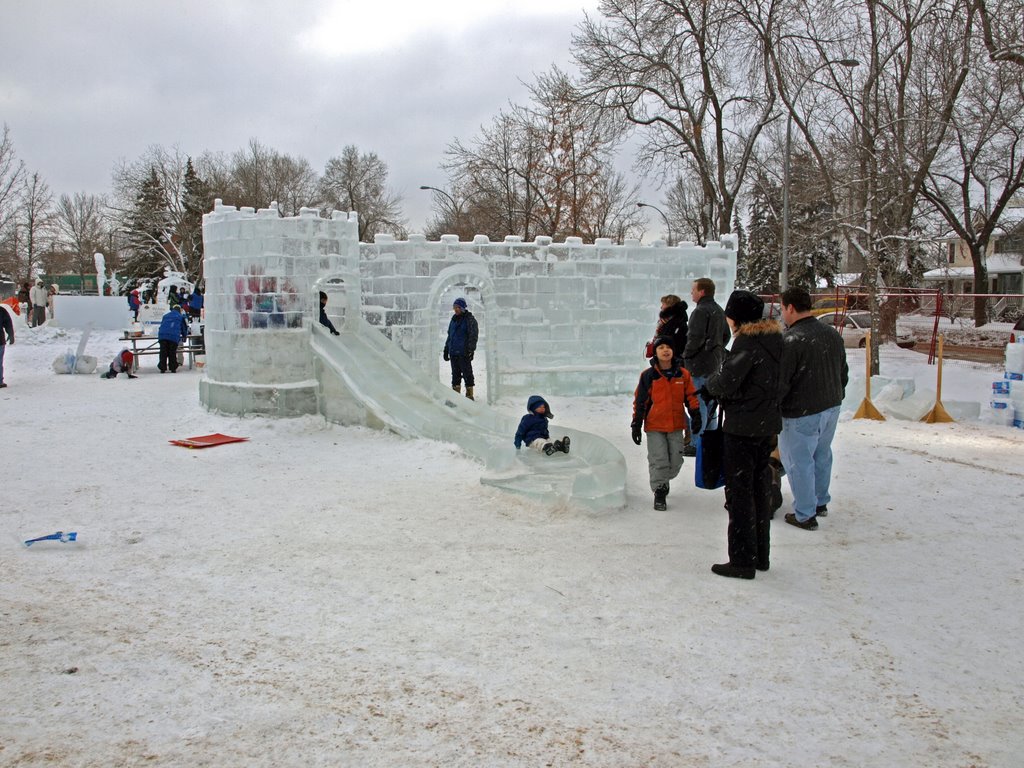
[
  {"x": 147, "y": 231},
  {"x": 197, "y": 199},
  {"x": 758, "y": 270},
  {"x": 813, "y": 237},
  {"x": 741, "y": 238}
]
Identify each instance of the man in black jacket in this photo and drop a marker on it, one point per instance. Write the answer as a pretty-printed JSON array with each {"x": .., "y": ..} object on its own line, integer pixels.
[
  {"x": 706, "y": 337},
  {"x": 812, "y": 384}
]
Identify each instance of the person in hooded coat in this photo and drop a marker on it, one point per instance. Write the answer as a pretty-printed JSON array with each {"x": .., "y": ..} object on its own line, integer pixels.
[
  {"x": 672, "y": 324},
  {"x": 533, "y": 428},
  {"x": 664, "y": 396},
  {"x": 40, "y": 296},
  {"x": 133, "y": 304},
  {"x": 747, "y": 388}
]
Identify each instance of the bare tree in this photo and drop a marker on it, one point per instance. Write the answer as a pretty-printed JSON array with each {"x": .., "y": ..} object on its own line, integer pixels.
[
  {"x": 80, "y": 224},
  {"x": 981, "y": 166},
  {"x": 688, "y": 209},
  {"x": 543, "y": 168},
  {"x": 12, "y": 173},
  {"x": 293, "y": 184},
  {"x": 693, "y": 77},
  {"x": 889, "y": 119},
  {"x": 1002, "y": 29},
  {"x": 32, "y": 222},
  {"x": 358, "y": 182},
  {"x": 496, "y": 174},
  {"x": 258, "y": 175}
]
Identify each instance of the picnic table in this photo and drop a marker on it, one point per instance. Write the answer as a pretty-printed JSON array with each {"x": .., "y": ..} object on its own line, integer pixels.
[{"x": 150, "y": 345}]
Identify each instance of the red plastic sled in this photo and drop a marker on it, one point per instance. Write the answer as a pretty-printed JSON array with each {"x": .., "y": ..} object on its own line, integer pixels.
[{"x": 207, "y": 441}]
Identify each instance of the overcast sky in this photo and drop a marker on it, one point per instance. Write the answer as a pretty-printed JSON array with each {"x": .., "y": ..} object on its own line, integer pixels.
[{"x": 84, "y": 84}]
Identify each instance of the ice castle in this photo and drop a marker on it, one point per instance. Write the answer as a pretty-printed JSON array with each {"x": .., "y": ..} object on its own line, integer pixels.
[{"x": 559, "y": 318}]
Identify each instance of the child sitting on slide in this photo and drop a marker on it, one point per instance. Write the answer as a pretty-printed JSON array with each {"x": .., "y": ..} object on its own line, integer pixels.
[{"x": 533, "y": 428}]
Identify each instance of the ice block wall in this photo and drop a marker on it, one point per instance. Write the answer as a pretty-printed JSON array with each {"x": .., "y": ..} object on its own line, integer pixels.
[
  {"x": 263, "y": 274},
  {"x": 558, "y": 318}
]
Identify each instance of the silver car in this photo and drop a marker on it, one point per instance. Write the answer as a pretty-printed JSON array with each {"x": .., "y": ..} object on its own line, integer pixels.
[{"x": 854, "y": 327}]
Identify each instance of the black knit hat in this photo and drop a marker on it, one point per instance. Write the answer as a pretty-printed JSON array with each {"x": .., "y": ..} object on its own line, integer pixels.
[
  {"x": 659, "y": 340},
  {"x": 744, "y": 307}
]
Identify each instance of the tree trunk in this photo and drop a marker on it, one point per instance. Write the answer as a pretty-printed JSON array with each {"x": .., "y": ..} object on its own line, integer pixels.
[{"x": 980, "y": 285}]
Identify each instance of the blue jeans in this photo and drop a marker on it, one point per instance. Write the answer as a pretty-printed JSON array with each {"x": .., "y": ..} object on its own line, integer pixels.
[
  {"x": 698, "y": 382},
  {"x": 805, "y": 446}
]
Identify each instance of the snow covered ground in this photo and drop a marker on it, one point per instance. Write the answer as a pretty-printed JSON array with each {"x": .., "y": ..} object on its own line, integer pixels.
[{"x": 326, "y": 596}]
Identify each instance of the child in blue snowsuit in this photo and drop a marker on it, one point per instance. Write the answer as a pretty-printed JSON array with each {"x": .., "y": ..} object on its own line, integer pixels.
[{"x": 533, "y": 428}]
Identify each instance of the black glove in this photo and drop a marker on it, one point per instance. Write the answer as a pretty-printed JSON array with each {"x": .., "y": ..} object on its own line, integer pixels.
[
  {"x": 470, "y": 355},
  {"x": 336, "y": 333},
  {"x": 446, "y": 355},
  {"x": 695, "y": 421},
  {"x": 704, "y": 395},
  {"x": 637, "y": 436}
]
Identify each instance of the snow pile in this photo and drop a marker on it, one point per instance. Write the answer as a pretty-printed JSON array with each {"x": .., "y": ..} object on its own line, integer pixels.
[{"x": 324, "y": 596}]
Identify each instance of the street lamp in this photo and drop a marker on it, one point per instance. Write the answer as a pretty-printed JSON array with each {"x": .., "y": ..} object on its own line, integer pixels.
[
  {"x": 456, "y": 210},
  {"x": 784, "y": 273},
  {"x": 668, "y": 226},
  {"x": 455, "y": 206}
]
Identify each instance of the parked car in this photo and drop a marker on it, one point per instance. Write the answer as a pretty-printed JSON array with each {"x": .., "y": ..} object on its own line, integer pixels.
[
  {"x": 854, "y": 327},
  {"x": 826, "y": 306}
]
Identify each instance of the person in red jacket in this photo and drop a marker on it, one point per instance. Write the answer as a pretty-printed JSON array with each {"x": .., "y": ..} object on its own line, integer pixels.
[{"x": 663, "y": 398}]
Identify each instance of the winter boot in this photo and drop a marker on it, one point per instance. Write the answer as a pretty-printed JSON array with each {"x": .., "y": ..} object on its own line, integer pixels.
[
  {"x": 549, "y": 448},
  {"x": 469, "y": 393},
  {"x": 563, "y": 444},
  {"x": 457, "y": 388},
  {"x": 733, "y": 571},
  {"x": 810, "y": 524},
  {"x": 660, "y": 494}
]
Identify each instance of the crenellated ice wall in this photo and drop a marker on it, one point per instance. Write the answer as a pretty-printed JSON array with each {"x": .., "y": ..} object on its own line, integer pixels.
[{"x": 556, "y": 318}]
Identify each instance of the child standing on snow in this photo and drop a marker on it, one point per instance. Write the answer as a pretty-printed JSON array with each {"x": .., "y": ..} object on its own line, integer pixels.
[
  {"x": 662, "y": 400},
  {"x": 122, "y": 363},
  {"x": 533, "y": 428}
]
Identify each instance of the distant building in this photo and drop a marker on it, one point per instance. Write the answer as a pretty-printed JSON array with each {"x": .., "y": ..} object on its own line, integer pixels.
[
  {"x": 74, "y": 285},
  {"x": 1004, "y": 260}
]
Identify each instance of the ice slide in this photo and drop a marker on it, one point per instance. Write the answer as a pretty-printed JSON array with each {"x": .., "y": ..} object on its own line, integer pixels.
[{"x": 401, "y": 396}]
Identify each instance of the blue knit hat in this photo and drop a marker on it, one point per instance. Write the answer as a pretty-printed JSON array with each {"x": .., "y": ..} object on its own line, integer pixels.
[{"x": 459, "y": 302}]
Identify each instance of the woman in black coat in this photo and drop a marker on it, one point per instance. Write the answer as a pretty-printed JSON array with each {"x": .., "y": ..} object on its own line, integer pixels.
[
  {"x": 747, "y": 389},
  {"x": 672, "y": 323}
]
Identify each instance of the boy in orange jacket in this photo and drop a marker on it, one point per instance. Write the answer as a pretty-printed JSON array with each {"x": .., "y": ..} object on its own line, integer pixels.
[{"x": 663, "y": 398}]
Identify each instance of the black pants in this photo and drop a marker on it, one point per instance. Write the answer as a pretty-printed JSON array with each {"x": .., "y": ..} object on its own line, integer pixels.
[
  {"x": 168, "y": 356},
  {"x": 462, "y": 368},
  {"x": 748, "y": 498}
]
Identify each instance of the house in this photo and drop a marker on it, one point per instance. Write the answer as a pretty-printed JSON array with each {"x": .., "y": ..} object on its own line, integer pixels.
[{"x": 1004, "y": 259}]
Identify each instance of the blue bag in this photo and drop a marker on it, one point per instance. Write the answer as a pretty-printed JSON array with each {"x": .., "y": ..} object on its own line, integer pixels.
[{"x": 710, "y": 463}]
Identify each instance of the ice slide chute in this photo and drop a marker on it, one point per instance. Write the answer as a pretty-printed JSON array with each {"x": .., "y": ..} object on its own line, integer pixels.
[{"x": 412, "y": 404}]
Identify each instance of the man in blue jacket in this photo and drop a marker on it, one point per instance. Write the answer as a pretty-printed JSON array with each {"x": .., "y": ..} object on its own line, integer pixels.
[
  {"x": 460, "y": 346},
  {"x": 173, "y": 330}
]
